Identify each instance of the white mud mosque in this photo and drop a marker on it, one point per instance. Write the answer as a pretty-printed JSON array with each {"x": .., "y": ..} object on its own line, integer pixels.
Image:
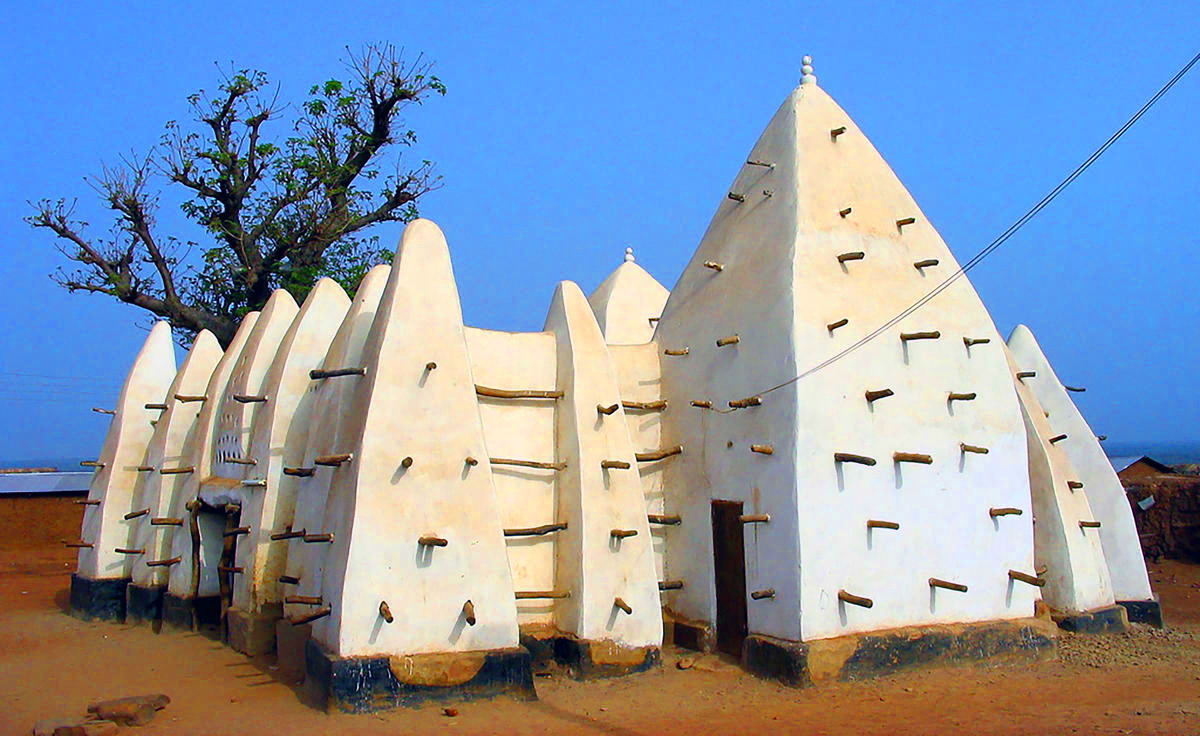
[{"x": 405, "y": 507}]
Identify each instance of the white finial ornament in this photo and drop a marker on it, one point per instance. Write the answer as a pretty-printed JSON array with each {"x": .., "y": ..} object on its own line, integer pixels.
[
  {"x": 629, "y": 255},
  {"x": 806, "y": 72}
]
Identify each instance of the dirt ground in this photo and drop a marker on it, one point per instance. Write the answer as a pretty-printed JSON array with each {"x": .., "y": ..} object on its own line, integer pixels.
[{"x": 52, "y": 665}]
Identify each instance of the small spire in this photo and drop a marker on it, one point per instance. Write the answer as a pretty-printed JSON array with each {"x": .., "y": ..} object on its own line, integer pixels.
[
  {"x": 629, "y": 255},
  {"x": 806, "y": 71}
]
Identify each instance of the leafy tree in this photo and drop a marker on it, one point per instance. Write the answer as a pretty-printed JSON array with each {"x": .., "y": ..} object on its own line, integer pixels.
[{"x": 276, "y": 213}]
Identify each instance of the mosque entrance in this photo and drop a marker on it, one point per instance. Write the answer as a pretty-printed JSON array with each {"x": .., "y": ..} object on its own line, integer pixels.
[{"x": 729, "y": 566}]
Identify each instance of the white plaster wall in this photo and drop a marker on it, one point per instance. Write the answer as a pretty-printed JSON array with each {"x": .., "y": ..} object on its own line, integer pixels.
[
  {"x": 640, "y": 378},
  {"x": 1105, "y": 494},
  {"x": 781, "y": 286},
  {"x": 332, "y": 426},
  {"x": 158, "y": 492},
  {"x": 249, "y": 378},
  {"x": 521, "y": 430},
  {"x": 1076, "y": 572},
  {"x": 433, "y": 417},
  {"x": 198, "y": 453},
  {"x": 278, "y": 440},
  {"x": 594, "y": 501},
  {"x": 125, "y": 445},
  {"x": 625, "y": 302}
]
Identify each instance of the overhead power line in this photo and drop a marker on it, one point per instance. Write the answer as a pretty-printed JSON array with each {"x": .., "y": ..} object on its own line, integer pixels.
[{"x": 1000, "y": 239}]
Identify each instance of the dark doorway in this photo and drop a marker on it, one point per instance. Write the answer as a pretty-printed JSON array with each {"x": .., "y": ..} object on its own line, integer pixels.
[{"x": 729, "y": 564}]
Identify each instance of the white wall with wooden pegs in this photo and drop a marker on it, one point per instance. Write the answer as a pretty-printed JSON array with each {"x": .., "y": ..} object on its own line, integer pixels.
[
  {"x": 422, "y": 531},
  {"x": 1066, "y": 535},
  {"x": 278, "y": 439},
  {"x": 331, "y": 428},
  {"x": 640, "y": 380},
  {"x": 1105, "y": 494},
  {"x": 194, "y": 576},
  {"x": 806, "y": 272},
  {"x": 155, "y": 493},
  {"x": 105, "y": 526},
  {"x": 231, "y": 459},
  {"x": 628, "y": 303},
  {"x": 521, "y": 429},
  {"x": 606, "y": 557}
]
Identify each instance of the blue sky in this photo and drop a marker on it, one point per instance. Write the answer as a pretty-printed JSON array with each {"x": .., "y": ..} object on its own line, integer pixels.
[{"x": 571, "y": 131}]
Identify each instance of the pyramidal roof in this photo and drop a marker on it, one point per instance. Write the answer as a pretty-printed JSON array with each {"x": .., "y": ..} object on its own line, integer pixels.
[{"x": 626, "y": 302}]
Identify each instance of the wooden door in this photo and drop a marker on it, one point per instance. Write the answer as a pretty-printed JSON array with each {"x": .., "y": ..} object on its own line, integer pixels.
[{"x": 729, "y": 565}]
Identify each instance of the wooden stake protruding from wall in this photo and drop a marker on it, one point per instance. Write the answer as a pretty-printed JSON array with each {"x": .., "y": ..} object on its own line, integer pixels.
[
  {"x": 947, "y": 585},
  {"x": 430, "y": 366},
  {"x": 88, "y": 502},
  {"x": 318, "y": 374},
  {"x": 926, "y": 263},
  {"x": 1056, "y": 439},
  {"x": 760, "y": 163},
  {"x": 730, "y": 340},
  {"x": 1026, "y": 578},
  {"x": 607, "y": 410},
  {"x": 177, "y": 471},
  {"x": 834, "y": 325},
  {"x": 241, "y": 460},
  {"x": 927, "y": 335},
  {"x": 614, "y": 465},
  {"x": 972, "y": 341},
  {"x": 98, "y": 410},
  {"x": 535, "y": 531},
  {"x": 855, "y": 600},
  {"x": 230, "y": 569},
  {"x": 299, "y": 472},
  {"x": 471, "y": 461},
  {"x": 737, "y": 197},
  {"x": 79, "y": 545},
  {"x": 1004, "y": 511},
  {"x": 129, "y": 551},
  {"x": 763, "y": 449},
  {"x": 385, "y": 612},
  {"x": 856, "y": 255},
  {"x": 659, "y": 405},
  {"x": 882, "y": 393},
  {"x": 836, "y": 132},
  {"x": 849, "y": 457},
  {"x": 332, "y": 461},
  {"x": 670, "y": 585},
  {"x": 961, "y": 396},
  {"x": 288, "y": 579},
  {"x": 904, "y": 221},
  {"x": 622, "y": 533},
  {"x": 755, "y": 518},
  {"x": 249, "y": 399},
  {"x": 664, "y": 519},
  {"x": 972, "y": 448},
  {"x": 310, "y": 617},
  {"x": 190, "y": 399},
  {"x": 91, "y": 464},
  {"x": 1022, "y": 375},
  {"x": 145, "y": 468},
  {"x": 236, "y": 531},
  {"x": 758, "y": 595},
  {"x": 529, "y": 595},
  {"x": 289, "y": 534},
  {"x": 1089, "y": 525},
  {"x": 303, "y": 600},
  {"x": 468, "y": 611},
  {"x": 646, "y": 457},
  {"x": 500, "y": 393},
  {"x": 136, "y": 514},
  {"x": 718, "y": 267},
  {"x": 745, "y": 403},
  {"x": 528, "y": 463},
  {"x": 702, "y": 403},
  {"x": 846, "y": 211},
  {"x": 879, "y": 524},
  {"x": 621, "y": 604},
  {"x": 1074, "y": 485},
  {"x": 164, "y": 563},
  {"x": 676, "y": 351},
  {"x": 156, "y": 406},
  {"x": 912, "y": 457},
  {"x": 1075, "y": 389},
  {"x": 432, "y": 541},
  {"x": 317, "y": 538}
]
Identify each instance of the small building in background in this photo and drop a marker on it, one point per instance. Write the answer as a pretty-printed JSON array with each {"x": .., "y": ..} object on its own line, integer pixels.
[{"x": 1132, "y": 469}]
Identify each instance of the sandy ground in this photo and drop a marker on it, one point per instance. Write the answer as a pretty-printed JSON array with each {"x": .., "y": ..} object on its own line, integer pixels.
[{"x": 1144, "y": 682}]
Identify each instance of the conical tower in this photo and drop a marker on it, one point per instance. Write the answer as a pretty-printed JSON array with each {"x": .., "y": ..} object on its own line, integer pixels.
[
  {"x": 628, "y": 303},
  {"x": 106, "y": 538},
  {"x": 855, "y": 499}
]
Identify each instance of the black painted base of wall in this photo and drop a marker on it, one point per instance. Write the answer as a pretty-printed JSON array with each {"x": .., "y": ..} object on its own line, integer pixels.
[
  {"x": 696, "y": 635},
  {"x": 98, "y": 600},
  {"x": 144, "y": 605},
  {"x": 1110, "y": 620},
  {"x": 362, "y": 684},
  {"x": 1144, "y": 612},
  {"x": 863, "y": 656},
  {"x": 190, "y": 614},
  {"x": 587, "y": 660}
]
